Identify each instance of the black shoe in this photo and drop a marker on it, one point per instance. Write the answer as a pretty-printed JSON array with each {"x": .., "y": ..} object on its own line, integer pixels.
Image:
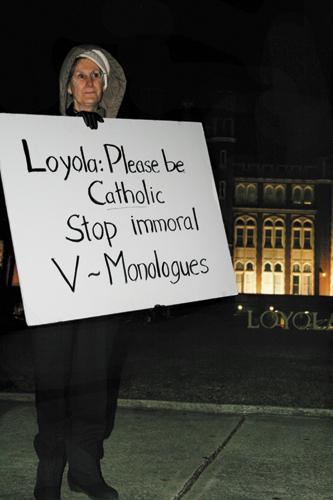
[
  {"x": 96, "y": 490},
  {"x": 47, "y": 493}
]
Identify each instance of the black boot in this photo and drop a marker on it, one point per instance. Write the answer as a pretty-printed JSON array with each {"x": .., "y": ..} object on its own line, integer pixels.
[
  {"x": 85, "y": 476},
  {"x": 49, "y": 477}
]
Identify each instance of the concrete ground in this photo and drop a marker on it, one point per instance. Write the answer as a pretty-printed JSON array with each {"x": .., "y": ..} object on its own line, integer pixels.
[
  {"x": 208, "y": 410},
  {"x": 196, "y": 453}
]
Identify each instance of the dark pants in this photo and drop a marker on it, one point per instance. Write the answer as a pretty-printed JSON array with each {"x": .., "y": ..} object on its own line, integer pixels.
[{"x": 76, "y": 389}]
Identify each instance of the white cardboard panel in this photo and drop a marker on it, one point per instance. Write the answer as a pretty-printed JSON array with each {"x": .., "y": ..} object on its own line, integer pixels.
[{"x": 111, "y": 220}]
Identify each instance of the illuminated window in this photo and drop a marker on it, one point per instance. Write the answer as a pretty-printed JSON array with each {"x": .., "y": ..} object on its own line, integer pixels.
[
  {"x": 250, "y": 238},
  {"x": 267, "y": 279},
  {"x": 307, "y": 239},
  {"x": 249, "y": 278},
  {"x": 239, "y": 271},
  {"x": 307, "y": 234},
  {"x": 279, "y": 233},
  {"x": 273, "y": 279},
  {"x": 306, "y": 280},
  {"x": 302, "y": 234},
  {"x": 296, "y": 284},
  {"x": 297, "y": 195},
  {"x": 274, "y": 232},
  {"x": 302, "y": 279},
  {"x": 268, "y": 234},
  {"x": 302, "y": 194},
  {"x": 245, "y": 277},
  {"x": 308, "y": 195},
  {"x": 278, "y": 279},
  {"x": 274, "y": 194},
  {"x": 246, "y": 194},
  {"x": 245, "y": 232},
  {"x": 296, "y": 234},
  {"x": 239, "y": 237},
  {"x": 297, "y": 238}
]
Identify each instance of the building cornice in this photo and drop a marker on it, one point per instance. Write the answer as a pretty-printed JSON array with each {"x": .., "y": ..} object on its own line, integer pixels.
[
  {"x": 279, "y": 211},
  {"x": 283, "y": 181}
]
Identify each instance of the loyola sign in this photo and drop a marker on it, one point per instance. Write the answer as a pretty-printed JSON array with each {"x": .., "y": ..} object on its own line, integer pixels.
[{"x": 299, "y": 320}]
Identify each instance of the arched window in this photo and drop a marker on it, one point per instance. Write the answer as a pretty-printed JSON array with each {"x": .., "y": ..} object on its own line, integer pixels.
[
  {"x": 301, "y": 280},
  {"x": 296, "y": 234},
  {"x": 274, "y": 232},
  {"x": 268, "y": 194},
  {"x": 245, "y": 277},
  {"x": 239, "y": 232},
  {"x": 249, "y": 278},
  {"x": 278, "y": 279},
  {"x": 273, "y": 278},
  {"x": 246, "y": 194},
  {"x": 303, "y": 194},
  {"x": 250, "y": 233},
  {"x": 240, "y": 194},
  {"x": 308, "y": 195},
  {"x": 306, "y": 280},
  {"x": 268, "y": 233},
  {"x": 252, "y": 194},
  {"x": 280, "y": 195},
  {"x": 297, "y": 195},
  {"x": 279, "y": 234},
  {"x": 239, "y": 266},
  {"x": 302, "y": 234},
  {"x": 245, "y": 232},
  {"x": 307, "y": 233},
  {"x": 239, "y": 272},
  {"x": 267, "y": 278}
]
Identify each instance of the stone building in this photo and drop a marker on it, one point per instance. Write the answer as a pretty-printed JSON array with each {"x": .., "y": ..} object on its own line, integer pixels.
[{"x": 278, "y": 219}]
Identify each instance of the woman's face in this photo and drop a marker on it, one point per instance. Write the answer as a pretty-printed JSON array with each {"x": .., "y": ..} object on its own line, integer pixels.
[{"x": 86, "y": 85}]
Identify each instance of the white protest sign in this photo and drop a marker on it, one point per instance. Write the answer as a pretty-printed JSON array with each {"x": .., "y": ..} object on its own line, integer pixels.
[{"x": 111, "y": 220}]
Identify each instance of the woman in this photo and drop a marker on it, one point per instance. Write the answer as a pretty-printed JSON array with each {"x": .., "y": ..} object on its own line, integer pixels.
[{"x": 72, "y": 360}]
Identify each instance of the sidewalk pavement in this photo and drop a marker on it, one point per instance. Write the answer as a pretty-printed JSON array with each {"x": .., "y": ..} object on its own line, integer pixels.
[{"x": 169, "y": 451}]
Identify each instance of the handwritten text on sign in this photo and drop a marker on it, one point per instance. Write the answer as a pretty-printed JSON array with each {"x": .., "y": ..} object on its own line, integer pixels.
[{"x": 120, "y": 218}]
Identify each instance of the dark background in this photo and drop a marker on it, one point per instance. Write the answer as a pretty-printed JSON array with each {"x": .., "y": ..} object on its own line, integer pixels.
[
  {"x": 279, "y": 52},
  {"x": 176, "y": 45}
]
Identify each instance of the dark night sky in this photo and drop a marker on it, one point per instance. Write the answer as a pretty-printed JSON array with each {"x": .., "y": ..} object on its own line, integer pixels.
[{"x": 176, "y": 45}]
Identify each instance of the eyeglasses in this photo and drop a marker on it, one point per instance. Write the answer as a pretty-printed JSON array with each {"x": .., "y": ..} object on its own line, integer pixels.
[{"x": 82, "y": 77}]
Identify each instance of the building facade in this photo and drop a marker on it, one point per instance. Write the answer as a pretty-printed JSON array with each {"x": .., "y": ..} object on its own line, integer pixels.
[{"x": 279, "y": 223}]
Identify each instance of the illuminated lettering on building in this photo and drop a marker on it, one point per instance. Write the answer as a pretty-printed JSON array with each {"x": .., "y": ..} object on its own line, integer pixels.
[{"x": 299, "y": 320}]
